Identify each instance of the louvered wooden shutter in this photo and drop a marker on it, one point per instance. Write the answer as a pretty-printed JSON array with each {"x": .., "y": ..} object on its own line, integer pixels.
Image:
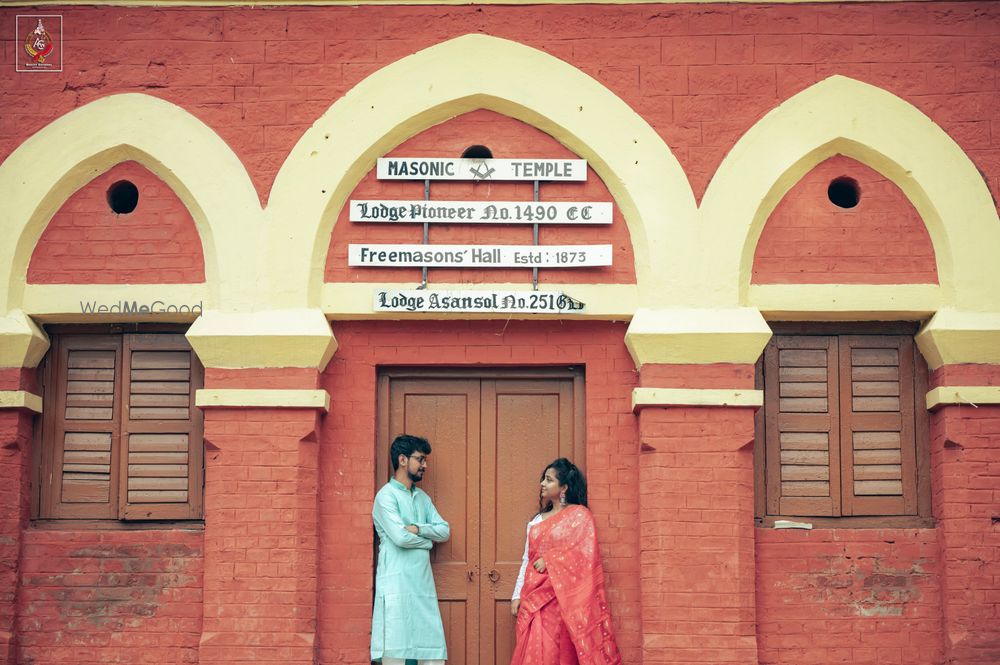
[
  {"x": 79, "y": 463},
  {"x": 877, "y": 421},
  {"x": 162, "y": 459},
  {"x": 802, "y": 434}
]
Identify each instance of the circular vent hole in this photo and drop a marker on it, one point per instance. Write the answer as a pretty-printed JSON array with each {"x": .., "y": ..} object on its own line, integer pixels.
[
  {"x": 123, "y": 197},
  {"x": 844, "y": 192},
  {"x": 477, "y": 152}
]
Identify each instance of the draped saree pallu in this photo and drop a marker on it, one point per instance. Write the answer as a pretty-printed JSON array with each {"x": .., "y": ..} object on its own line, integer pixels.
[{"x": 564, "y": 617}]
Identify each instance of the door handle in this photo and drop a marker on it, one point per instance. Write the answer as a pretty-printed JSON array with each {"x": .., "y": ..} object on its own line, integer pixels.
[
  {"x": 471, "y": 574},
  {"x": 494, "y": 576}
]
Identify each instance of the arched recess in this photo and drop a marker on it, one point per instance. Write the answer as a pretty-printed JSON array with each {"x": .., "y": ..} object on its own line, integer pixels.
[
  {"x": 454, "y": 77},
  {"x": 843, "y": 116},
  {"x": 174, "y": 145}
]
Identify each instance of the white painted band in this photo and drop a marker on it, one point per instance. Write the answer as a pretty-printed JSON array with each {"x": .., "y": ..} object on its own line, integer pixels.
[
  {"x": 274, "y": 398},
  {"x": 20, "y": 399},
  {"x": 654, "y": 397}
]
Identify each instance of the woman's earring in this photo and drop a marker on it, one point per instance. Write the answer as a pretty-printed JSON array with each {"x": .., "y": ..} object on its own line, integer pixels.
[{"x": 562, "y": 500}]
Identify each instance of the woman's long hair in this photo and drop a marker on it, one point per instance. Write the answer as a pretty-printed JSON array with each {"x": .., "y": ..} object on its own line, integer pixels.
[{"x": 567, "y": 474}]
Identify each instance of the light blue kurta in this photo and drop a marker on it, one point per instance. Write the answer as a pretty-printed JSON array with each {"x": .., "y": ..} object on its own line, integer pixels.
[{"x": 406, "y": 622}]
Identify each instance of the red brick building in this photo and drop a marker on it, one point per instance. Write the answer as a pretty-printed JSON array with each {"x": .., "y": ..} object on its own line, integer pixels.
[{"x": 790, "y": 317}]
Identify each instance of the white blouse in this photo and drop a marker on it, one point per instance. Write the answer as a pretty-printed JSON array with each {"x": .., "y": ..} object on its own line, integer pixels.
[{"x": 524, "y": 559}]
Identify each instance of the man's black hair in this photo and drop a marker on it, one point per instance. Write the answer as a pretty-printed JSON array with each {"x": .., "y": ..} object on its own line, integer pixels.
[{"x": 407, "y": 444}]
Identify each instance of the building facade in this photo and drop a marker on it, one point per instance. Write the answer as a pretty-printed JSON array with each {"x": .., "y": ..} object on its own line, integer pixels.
[{"x": 772, "y": 341}]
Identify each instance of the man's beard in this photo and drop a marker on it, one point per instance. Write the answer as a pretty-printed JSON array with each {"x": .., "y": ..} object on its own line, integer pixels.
[{"x": 415, "y": 477}]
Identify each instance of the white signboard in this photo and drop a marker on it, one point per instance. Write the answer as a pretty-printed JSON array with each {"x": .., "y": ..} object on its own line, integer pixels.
[
  {"x": 480, "y": 256},
  {"x": 426, "y": 168},
  {"x": 528, "y": 302},
  {"x": 482, "y": 212}
]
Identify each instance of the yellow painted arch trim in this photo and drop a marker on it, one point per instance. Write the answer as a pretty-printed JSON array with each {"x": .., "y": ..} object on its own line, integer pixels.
[
  {"x": 180, "y": 149},
  {"x": 460, "y": 75},
  {"x": 843, "y": 116}
]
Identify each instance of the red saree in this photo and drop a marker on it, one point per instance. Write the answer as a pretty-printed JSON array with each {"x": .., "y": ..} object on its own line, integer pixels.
[{"x": 564, "y": 617}]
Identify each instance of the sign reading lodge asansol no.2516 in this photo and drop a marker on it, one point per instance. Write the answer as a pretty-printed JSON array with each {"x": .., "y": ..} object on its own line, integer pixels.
[{"x": 508, "y": 302}]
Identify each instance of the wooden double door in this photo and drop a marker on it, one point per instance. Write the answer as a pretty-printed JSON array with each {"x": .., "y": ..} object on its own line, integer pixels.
[{"x": 491, "y": 433}]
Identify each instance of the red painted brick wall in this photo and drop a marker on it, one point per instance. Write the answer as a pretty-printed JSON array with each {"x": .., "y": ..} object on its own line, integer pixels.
[
  {"x": 697, "y": 536},
  {"x": 701, "y": 75},
  {"x": 858, "y": 596},
  {"x": 965, "y": 468},
  {"x": 260, "y": 535},
  {"x": 347, "y": 471},
  {"x": 808, "y": 239},
  {"x": 15, "y": 468},
  {"x": 507, "y": 138},
  {"x": 99, "y": 597},
  {"x": 86, "y": 242}
]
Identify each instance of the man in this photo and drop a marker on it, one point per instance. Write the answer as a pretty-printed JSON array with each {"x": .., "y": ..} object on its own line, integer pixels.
[{"x": 406, "y": 622}]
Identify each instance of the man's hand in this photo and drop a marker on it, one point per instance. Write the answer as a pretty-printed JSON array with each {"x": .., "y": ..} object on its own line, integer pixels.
[
  {"x": 412, "y": 528},
  {"x": 539, "y": 564},
  {"x": 515, "y": 605}
]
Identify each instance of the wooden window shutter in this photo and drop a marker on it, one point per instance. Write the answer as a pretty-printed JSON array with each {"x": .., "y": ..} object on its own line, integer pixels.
[
  {"x": 79, "y": 460},
  {"x": 802, "y": 436},
  {"x": 877, "y": 425},
  {"x": 162, "y": 450}
]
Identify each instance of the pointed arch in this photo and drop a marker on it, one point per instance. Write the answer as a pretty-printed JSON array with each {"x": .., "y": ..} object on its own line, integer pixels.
[
  {"x": 464, "y": 74},
  {"x": 842, "y": 116},
  {"x": 174, "y": 145}
]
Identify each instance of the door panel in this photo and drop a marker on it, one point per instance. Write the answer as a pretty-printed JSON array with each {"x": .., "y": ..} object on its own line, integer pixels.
[
  {"x": 526, "y": 424},
  {"x": 491, "y": 434},
  {"x": 446, "y": 413}
]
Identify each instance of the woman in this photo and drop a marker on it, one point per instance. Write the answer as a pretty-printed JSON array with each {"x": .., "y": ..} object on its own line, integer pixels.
[{"x": 562, "y": 613}]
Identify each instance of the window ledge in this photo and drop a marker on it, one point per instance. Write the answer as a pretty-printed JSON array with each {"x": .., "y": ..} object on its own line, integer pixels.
[
  {"x": 868, "y": 522},
  {"x": 116, "y": 525}
]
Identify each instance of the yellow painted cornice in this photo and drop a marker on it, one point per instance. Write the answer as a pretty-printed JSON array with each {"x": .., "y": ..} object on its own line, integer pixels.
[
  {"x": 968, "y": 395},
  {"x": 263, "y": 398},
  {"x": 660, "y": 397},
  {"x": 955, "y": 337},
  {"x": 845, "y": 302},
  {"x": 22, "y": 342},
  {"x": 20, "y": 399},
  {"x": 697, "y": 336},
  {"x": 276, "y": 338}
]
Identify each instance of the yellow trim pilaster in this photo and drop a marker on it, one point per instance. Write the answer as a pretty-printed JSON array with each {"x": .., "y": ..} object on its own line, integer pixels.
[
  {"x": 263, "y": 398},
  {"x": 969, "y": 395},
  {"x": 22, "y": 342},
  {"x": 658, "y": 397},
  {"x": 694, "y": 336},
  {"x": 20, "y": 399},
  {"x": 276, "y": 338}
]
